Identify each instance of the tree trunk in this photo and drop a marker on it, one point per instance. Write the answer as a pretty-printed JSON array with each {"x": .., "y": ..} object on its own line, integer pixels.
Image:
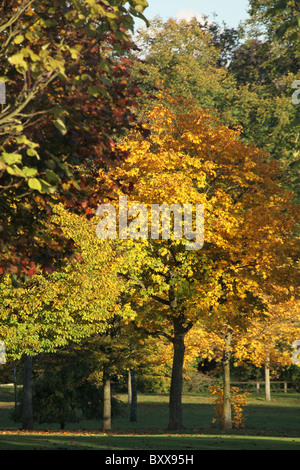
[
  {"x": 267, "y": 379},
  {"x": 27, "y": 394},
  {"x": 106, "y": 421},
  {"x": 129, "y": 387},
  {"x": 133, "y": 407},
  {"x": 15, "y": 387},
  {"x": 227, "y": 422},
  {"x": 175, "y": 404}
]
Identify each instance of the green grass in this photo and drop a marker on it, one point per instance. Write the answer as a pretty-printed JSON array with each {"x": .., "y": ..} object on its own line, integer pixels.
[{"x": 271, "y": 425}]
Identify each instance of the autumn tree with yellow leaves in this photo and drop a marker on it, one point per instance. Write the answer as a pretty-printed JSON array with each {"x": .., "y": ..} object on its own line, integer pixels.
[
  {"x": 268, "y": 341},
  {"x": 190, "y": 158},
  {"x": 50, "y": 310}
]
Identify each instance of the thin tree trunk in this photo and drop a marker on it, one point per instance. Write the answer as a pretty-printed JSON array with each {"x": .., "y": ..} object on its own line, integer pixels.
[
  {"x": 133, "y": 407},
  {"x": 129, "y": 387},
  {"x": 175, "y": 404},
  {"x": 227, "y": 422},
  {"x": 15, "y": 387},
  {"x": 267, "y": 379},
  {"x": 106, "y": 421},
  {"x": 27, "y": 394}
]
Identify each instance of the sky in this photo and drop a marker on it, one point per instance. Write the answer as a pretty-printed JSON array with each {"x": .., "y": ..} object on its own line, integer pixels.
[{"x": 230, "y": 11}]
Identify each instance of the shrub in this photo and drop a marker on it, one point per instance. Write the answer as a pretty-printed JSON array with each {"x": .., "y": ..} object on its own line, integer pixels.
[
  {"x": 197, "y": 382},
  {"x": 238, "y": 402},
  {"x": 153, "y": 384},
  {"x": 63, "y": 395}
]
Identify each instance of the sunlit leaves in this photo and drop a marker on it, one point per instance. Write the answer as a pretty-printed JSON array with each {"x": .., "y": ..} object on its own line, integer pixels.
[
  {"x": 52, "y": 309},
  {"x": 69, "y": 95},
  {"x": 191, "y": 158}
]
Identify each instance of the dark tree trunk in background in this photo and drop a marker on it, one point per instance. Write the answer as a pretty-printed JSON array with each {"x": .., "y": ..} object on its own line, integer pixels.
[
  {"x": 27, "y": 394},
  {"x": 15, "y": 387},
  {"x": 175, "y": 403},
  {"x": 227, "y": 422}
]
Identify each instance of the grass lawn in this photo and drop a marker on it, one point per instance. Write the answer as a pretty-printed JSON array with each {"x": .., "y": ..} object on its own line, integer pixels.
[{"x": 271, "y": 425}]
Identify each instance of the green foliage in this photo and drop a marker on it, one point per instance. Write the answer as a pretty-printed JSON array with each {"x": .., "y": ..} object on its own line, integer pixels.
[
  {"x": 55, "y": 397},
  {"x": 152, "y": 383},
  {"x": 291, "y": 373},
  {"x": 182, "y": 58},
  {"x": 62, "y": 394},
  {"x": 280, "y": 18},
  {"x": 253, "y": 90},
  {"x": 48, "y": 311},
  {"x": 274, "y": 48}
]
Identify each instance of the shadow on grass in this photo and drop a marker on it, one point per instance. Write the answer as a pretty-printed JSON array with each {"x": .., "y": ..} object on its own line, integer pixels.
[
  {"x": 269, "y": 426},
  {"x": 112, "y": 442},
  {"x": 6, "y": 393}
]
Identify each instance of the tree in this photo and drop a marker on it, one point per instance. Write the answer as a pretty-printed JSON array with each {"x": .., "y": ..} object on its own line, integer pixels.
[
  {"x": 280, "y": 20},
  {"x": 64, "y": 391},
  {"x": 253, "y": 91},
  {"x": 276, "y": 27},
  {"x": 48, "y": 311},
  {"x": 133, "y": 404},
  {"x": 189, "y": 157},
  {"x": 69, "y": 93},
  {"x": 180, "y": 57},
  {"x": 268, "y": 341},
  {"x": 122, "y": 347},
  {"x": 250, "y": 63},
  {"x": 225, "y": 39}
]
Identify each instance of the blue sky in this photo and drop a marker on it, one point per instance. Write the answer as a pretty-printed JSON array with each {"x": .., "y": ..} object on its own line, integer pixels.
[{"x": 230, "y": 11}]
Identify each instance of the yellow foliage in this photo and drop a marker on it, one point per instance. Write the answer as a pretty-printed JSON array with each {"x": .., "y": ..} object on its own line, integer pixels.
[
  {"x": 248, "y": 252},
  {"x": 270, "y": 336},
  {"x": 238, "y": 402},
  {"x": 67, "y": 305}
]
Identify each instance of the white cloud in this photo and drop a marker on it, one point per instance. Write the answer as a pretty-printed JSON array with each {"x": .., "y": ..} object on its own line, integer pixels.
[{"x": 186, "y": 14}]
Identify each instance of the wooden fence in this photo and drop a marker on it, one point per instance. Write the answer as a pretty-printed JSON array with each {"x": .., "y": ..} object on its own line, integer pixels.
[{"x": 261, "y": 382}]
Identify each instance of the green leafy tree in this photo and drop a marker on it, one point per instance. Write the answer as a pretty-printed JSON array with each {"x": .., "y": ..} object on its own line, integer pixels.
[
  {"x": 275, "y": 30},
  {"x": 180, "y": 57},
  {"x": 49, "y": 310},
  {"x": 279, "y": 19},
  {"x": 252, "y": 91},
  {"x": 63, "y": 392}
]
